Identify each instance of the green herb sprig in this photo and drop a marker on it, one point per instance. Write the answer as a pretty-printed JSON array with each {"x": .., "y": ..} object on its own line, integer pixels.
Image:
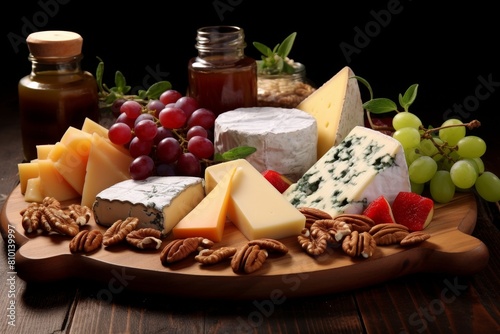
[
  {"x": 121, "y": 90},
  {"x": 275, "y": 61}
]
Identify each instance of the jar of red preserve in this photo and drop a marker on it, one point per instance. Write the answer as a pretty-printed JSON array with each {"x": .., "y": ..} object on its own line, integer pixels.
[{"x": 222, "y": 77}]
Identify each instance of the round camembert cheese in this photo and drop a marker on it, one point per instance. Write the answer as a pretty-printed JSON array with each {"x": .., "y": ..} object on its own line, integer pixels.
[{"x": 285, "y": 139}]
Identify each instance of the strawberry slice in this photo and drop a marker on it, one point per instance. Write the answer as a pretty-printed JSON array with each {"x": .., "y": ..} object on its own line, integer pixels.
[
  {"x": 413, "y": 210},
  {"x": 379, "y": 210}
]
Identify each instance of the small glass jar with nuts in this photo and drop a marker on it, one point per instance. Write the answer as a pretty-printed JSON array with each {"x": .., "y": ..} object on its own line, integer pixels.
[{"x": 283, "y": 90}]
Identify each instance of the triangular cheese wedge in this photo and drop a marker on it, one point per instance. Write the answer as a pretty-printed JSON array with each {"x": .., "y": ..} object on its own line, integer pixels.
[
  {"x": 337, "y": 107},
  {"x": 53, "y": 184},
  {"x": 106, "y": 166},
  {"x": 208, "y": 218}
]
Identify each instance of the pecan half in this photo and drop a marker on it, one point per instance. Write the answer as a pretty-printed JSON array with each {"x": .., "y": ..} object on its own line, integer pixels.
[
  {"x": 119, "y": 230},
  {"x": 145, "y": 238},
  {"x": 389, "y": 233},
  {"x": 179, "y": 249},
  {"x": 86, "y": 241},
  {"x": 213, "y": 256},
  {"x": 359, "y": 244},
  {"x": 248, "y": 259},
  {"x": 333, "y": 229},
  {"x": 414, "y": 238},
  {"x": 81, "y": 214},
  {"x": 271, "y": 245},
  {"x": 313, "y": 214},
  {"x": 356, "y": 222},
  {"x": 312, "y": 246}
]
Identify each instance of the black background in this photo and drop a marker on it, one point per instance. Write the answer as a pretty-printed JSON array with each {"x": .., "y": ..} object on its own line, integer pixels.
[{"x": 449, "y": 49}]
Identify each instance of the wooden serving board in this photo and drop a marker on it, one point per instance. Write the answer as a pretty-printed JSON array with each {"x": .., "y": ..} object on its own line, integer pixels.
[{"x": 451, "y": 249}]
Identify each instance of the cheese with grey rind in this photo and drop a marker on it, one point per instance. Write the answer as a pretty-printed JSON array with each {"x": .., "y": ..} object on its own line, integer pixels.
[
  {"x": 365, "y": 165},
  {"x": 159, "y": 202},
  {"x": 285, "y": 139}
]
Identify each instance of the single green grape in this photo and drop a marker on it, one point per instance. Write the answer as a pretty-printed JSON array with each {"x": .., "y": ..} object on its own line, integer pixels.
[
  {"x": 488, "y": 187},
  {"x": 463, "y": 174},
  {"x": 411, "y": 155},
  {"x": 480, "y": 165},
  {"x": 417, "y": 188},
  {"x": 406, "y": 119},
  {"x": 441, "y": 187},
  {"x": 454, "y": 134},
  {"x": 427, "y": 147},
  {"x": 471, "y": 147},
  {"x": 422, "y": 169},
  {"x": 408, "y": 137},
  {"x": 473, "y": 164}
]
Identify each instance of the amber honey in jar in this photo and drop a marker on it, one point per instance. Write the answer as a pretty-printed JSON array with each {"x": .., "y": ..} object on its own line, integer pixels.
[
  {"x": 57, "y": 93},
  {"x": 222, "y": 77}
]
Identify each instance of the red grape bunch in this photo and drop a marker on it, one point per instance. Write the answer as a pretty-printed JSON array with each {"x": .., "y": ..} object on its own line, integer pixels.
[{"x": 171, "y": 135}]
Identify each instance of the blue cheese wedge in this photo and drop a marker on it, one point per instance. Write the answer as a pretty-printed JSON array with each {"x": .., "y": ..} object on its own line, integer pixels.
[
  {"x": 285, "y": 139},
  {"x": 365, "y": 165},
  {"x": 158, "y": 202}
]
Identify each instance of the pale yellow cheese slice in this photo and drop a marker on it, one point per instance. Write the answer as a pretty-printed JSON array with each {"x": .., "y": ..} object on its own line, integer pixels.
[
  {"x": 337, "y": 107},
  {"x": 106, "y": 166},
  {"x": 27, "y": 170},
  {"x": 89, "y": 126},
  {"x": 208, "y": 218},
  {"x": 53, "y": 184},
  {"x": 255, "y": 206},
  {"x": 42, "y": 151},
  {"x": 33, "y": 191}
]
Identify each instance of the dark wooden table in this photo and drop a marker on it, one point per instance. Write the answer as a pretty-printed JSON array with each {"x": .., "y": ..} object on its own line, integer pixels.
[{"x": 419, "y": 303}]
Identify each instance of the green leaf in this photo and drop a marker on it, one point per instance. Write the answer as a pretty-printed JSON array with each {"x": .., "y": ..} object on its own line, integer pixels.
[
  {"x": 364, "y": 82},
  {"x": 265, "y": 50},
  {"x": 409, "y": 97},
  {"x": 380, "y": 105},
  {"x": 240, "y": 152},
  {"x": 286, "y": 46},
  {"x": 120, "y": 82},
  {"x": 155, "y": 90},
  {"x": 99, "y": 73}
]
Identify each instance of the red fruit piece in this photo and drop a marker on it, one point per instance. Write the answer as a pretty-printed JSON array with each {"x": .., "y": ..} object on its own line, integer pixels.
[
  {"x": 279, "y": 181},
  {"x": 379, "y": 210},
  {"x": 413, "y": 210}
]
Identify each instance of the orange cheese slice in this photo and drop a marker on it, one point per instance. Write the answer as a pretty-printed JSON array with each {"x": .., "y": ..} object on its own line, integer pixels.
[{"x": 208, "y": 218}]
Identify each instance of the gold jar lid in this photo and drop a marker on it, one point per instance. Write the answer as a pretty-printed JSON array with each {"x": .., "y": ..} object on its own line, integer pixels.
[{"x": 54, "y": 43}]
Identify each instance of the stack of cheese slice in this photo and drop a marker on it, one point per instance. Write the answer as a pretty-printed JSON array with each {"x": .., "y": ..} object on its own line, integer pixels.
[
  {"x": 365, "y": 165},
  {"x": 337, "y": 107},
  {"x": 81, "y": 164}
]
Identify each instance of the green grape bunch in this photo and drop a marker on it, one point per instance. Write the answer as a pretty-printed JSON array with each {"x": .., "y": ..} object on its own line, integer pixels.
[{"x": 445, "y": 159}]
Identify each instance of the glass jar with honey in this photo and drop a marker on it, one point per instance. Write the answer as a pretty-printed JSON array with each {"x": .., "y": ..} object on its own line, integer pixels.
[
  {"x": 222, "y": 77},
  {"x": 57, "y": 93}
]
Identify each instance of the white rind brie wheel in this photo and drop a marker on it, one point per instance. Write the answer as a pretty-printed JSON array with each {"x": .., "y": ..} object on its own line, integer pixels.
[{"x": 285, "y": 139}]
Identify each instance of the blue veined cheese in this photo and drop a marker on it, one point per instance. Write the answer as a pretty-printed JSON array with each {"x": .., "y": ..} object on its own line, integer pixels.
[
  {"x": 365, "y": 165},
  {"x": 159, "y": 202},
  {"x": 285, "y": 139}
]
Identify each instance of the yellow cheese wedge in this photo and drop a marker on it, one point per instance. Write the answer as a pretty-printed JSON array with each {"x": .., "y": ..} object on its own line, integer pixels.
[
  {"x": 27, "y": 170},
  {"x": 53, "y": 184},
  {"x": 337, "y": 107},
  {"x": 106, "y": 166},
  {"x": 33, "y": 190},
  {"x": 255, "y": 206},
  {"x": 208, "y": 218},
  {"x": 42, "y": 151},
  {"x": 89, "y": 126}
]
